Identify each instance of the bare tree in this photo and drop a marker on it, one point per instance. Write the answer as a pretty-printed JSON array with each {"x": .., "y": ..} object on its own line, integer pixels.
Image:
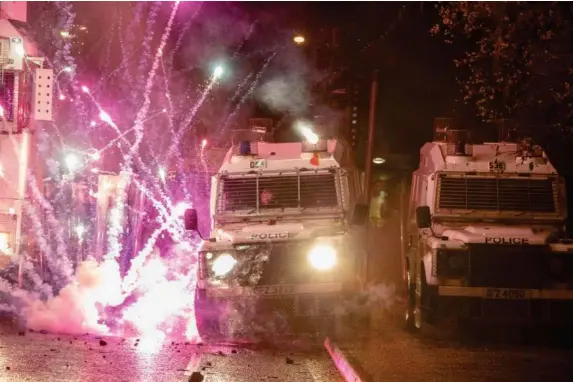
[{"x": 515, "y": 61}]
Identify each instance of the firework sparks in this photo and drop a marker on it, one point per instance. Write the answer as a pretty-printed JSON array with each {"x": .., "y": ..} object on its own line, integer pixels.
[{"x": 113, "y": 149}]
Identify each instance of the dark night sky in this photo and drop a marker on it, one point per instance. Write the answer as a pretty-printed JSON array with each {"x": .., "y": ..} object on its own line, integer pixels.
[{"x": 416, "y": 72}]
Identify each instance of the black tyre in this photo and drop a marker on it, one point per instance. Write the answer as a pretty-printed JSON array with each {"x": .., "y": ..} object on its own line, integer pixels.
[
  {"x": 409, "y": 319},
  {"x": 207, "y": 317}
]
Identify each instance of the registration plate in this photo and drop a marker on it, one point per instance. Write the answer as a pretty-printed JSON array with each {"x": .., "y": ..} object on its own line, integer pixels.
[
  {"x": 272, "y": 290},
  {"x": 259, "y": 163},
  {"x": 506, "y": 294}
]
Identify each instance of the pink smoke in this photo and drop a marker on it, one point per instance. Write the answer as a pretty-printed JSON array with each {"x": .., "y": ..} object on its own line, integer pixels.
[{"x": 94, "y": 302}]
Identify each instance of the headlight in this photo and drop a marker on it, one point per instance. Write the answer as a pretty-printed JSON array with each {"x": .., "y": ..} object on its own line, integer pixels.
[
  {"x": 322, "y": 257},
  {"x": 223, "y": 264},
  {"x": 451, "y": 263}
]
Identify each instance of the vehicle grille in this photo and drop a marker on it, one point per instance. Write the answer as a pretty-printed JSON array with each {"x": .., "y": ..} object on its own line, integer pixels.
[
  {"x": 497, "y": 194},
  {"x": 517, "y": 266},
  {"x": 313, "y": 190}
]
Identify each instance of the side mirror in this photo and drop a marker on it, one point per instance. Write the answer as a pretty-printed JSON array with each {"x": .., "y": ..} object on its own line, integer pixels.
[
  {"x": 190, "y": 219},
  {"x": 360, "y": 214},
  {"x": 423, "y": 217}
]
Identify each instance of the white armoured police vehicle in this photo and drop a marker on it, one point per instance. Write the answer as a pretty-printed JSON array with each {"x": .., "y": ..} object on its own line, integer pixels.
[
  {"x": 487, "y": 234},
  {"x": 282, "y": 234}
]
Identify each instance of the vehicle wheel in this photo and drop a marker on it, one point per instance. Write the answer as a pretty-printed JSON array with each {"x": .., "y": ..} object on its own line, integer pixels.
[
  {"x": 422, "y": 303},
  {"x": 409, "y": 311},
  {"x": 428, "y": 318},
  {"x": 207, "y": 319}
]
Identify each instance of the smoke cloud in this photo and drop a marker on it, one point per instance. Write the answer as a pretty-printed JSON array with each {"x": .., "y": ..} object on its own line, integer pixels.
[{"x": 287, "y": 94}]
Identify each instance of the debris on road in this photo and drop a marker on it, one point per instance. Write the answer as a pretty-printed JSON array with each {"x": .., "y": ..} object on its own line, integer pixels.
[
  {"x": 289, "y": 361},
  {"x": 196, "y": 377},
  {"x": 102, "y": 343}
]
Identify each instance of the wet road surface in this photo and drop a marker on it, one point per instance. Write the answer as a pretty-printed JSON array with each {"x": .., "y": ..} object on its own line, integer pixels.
[
  {"x": 387, "y": 354},
  {"x": 476, "y": 354},
  {"x": 35, "y": 356}
]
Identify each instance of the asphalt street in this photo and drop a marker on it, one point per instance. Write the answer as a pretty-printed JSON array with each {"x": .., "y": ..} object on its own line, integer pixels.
[
  {"x": 391, "y": 354},
  {"x": 35, "y": 356},
  {"x": 386, "y": 354}
]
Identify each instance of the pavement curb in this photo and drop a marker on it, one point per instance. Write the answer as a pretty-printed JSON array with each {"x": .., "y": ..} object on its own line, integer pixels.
[{"x": 346, "y": 364}]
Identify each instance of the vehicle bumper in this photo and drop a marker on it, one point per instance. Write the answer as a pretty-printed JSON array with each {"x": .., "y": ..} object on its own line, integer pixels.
[
  {"x": 498, "y": 293},
  {"x": 499, "y": 305},
  {"x": 304, "y": 300},
  {"x": 273, "y": 291}
]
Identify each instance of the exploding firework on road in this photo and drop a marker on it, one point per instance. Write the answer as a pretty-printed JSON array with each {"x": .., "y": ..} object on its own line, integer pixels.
[{"x": 107, "y": 252}]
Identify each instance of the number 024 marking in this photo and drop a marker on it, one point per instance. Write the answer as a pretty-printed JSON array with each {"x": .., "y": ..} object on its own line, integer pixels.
[
  {"x": 258, "y": 163},
  {"x": 506, "y": 294}
]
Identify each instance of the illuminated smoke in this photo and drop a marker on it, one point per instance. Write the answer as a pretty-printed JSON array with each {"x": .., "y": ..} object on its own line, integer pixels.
[
  {"x": 286, "y": 94},
  {"x": 95, "y": 297},
  {"x": 251, "y": 88}
]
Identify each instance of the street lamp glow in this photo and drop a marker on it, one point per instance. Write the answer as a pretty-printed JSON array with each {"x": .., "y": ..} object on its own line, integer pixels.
[
  {"x": 299, "y": 39},
  {"x": 218, "y": 72},
  {"x": 378, "y": 160}
]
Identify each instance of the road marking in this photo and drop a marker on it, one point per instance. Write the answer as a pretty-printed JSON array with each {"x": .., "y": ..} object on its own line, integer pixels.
[
  {"x": 346, "y": 369},
  {"x": 193, "y": 364}
]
